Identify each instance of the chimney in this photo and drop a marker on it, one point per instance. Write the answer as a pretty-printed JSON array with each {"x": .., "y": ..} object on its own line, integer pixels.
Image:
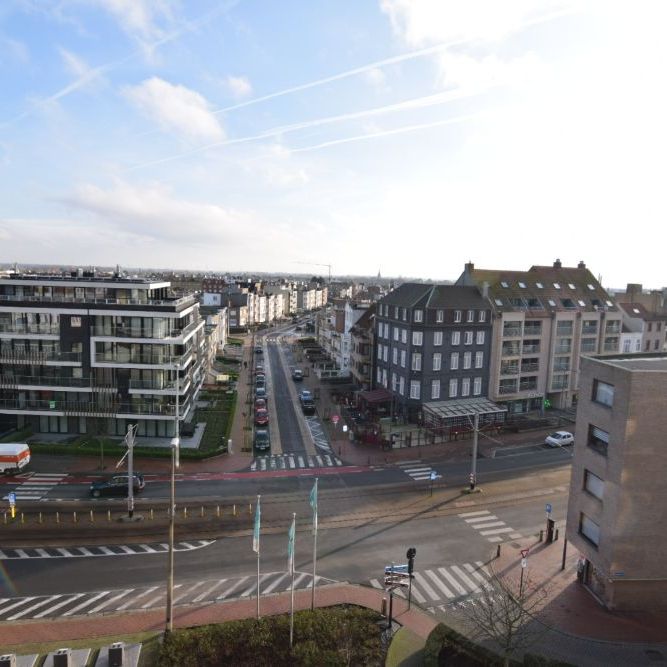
[
  {"x": 485, "y": 289},
  {"x": 581, "y": 264},
  {"x": 469, "y": 267},
  {"x": 557, "y": 264}
]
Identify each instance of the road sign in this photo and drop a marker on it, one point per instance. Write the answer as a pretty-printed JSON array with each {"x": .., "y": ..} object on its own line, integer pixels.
[
  {"x": 434, "y": 475},
  {"x": 344, "y": 428},
  {"x": 12, "y": 498},
  {"x": 524, "y": 562},
  {"x": 335, "y": 418},
  {"x": 524, "y": 553},
  {"x": 548, "y": 508},
  {"x": 396, "y": 569}
]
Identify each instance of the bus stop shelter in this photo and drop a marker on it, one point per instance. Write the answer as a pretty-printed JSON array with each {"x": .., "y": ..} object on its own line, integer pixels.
[{"x": 449, "y": 420}]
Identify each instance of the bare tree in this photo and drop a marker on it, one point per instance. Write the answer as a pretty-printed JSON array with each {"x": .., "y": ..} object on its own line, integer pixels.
[{"x": 506, "y": 612}]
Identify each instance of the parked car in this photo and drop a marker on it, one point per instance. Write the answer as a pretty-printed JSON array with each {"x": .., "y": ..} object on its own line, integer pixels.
[
  {"x": 297, "y": 375},
  {"x": 305, "y": 395},
  {"x": 260, "y": 392},
  {"x": 260, "y": 379},
  {"x": 116, "y": 485},
  {"x": 259, "y": 368},
  {"x": 260, "y": 403},
  {"x": 261, "y": 417},
  {"x": 559, "y": 438},
  {"x": 258, "y": 350},
  {"x": 262, "y": 440},
  {"x": 307, "y": 402}
]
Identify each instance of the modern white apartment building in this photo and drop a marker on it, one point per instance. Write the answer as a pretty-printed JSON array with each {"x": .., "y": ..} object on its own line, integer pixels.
[{"x": 83, "y": 352}]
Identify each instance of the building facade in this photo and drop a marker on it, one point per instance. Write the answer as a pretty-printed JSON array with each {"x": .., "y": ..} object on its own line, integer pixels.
[
  {"x": 618, "y": 497},
  {"x": 432, "y": 343},
  {"x": 544, "y": 319},
  {"x": 92, "y": 353}
]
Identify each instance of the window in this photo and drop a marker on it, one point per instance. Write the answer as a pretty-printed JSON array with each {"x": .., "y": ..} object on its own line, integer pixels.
[
  {"x": 603, "y": 393},
  {"x": 499, "y": 302},
  {"x": 403, "y": 358},
  {"x": 453, "y": 388},
  {"x": 416, "y": 361},
  {"x": 379, "y": 375},
  {"x": 477, "y": 386},
  {"x": 454, "y": 361},
  {"x": 76, "y": 321},
  {"x": 437, "y": 361},
  {"x": 385, "y": 353},
  {"x": 404, "y": 314},
  {"x": 539, "y": 285},
  {"x": 522, "y": 285},
  {"x": 590, "y": 287},
  {"x": 404, "y": 335},
  {"x": 593, "y": 484},
  {"x": 437, "y": 338},
  {"x": 479, "y": 359},
  {"x": 401, "y": 385},
  {"x": 582, "y": 303},
  {"x": 439, "y": 315},
  {"x": 656, "y": 344},
  {"x": 465, "y": 387},
  {"x": 457, "y": 316},
  {"x": 571, "y": 286},
  {"x": 418, "y": 315},
  {"x": 417, "y": 337},
  {"x": 396, "y": 312},
  {"x": 467, "y": 359},
  {"x": 598, "y": 439},
  {"x": 504, "y": 284},
  {"x": 384, "y": 378},
  {"x": 471, "y": 316},
  {"x": 393, "y": 382},
  {"x": 482, "y": 316},
  {"x": 467, "y": 340},
  {"x": 415, "y": 389},
  {"x": 456, "y": 337},
  {"x": 557, "y": 285},
  {"x": 589, "y": 529},
  {"x": 394, "y": 356},
  {"x": 435, "y": 389},
  {"x": 396, "y": 333},
  {"x": 551, "y": 302},
  {"x": 380, "y": 346},
  {"x": 480, "y": 338}
]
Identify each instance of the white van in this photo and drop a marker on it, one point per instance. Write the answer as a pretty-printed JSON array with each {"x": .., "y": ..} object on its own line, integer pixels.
[{"x": 14, "y": 456}]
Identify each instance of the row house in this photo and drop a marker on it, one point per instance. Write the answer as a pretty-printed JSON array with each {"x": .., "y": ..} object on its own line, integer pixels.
[
  {"x": 644, "y": 320},
  {"x": 432, "y": 343},
  {"x": 92, "y": 353},
  {"x": 334, "y": 327},
  {"x": 362, "y": 339},
  {"x": 544, "y": 320}
]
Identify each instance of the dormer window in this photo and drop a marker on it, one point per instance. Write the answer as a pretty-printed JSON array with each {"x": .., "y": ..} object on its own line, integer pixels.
[
  {"x": 571, "y": 286},
  {"x": 504, "y": 284},
  {"x": 539, "y": 285},
  {"x": 609, "y": 303},
  {"x": 522, "y": 285},
  {"x": 557, "y": 285},
  {"x": 582, "y": 303},
  {"x": 590, "y": 287},
  {"x": 551, "y": 302},
  {"x": 499, "y": 302}
]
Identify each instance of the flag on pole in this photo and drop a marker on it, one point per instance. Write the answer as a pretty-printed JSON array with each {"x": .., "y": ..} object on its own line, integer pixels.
[
  {"x": 313, "y": 504},
  {"x": 290, "y": 546},
  {"x": 255, "y": 532}
]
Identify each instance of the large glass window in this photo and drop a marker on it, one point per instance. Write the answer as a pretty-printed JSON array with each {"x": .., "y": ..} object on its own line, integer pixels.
[
  {"x": 589, "y": 529},
  {"x": 414, "y": 389},
  {"x": 417, "y": 337},
  {"x": 437, "y": 361},
  {"x": 598, "y": 439},
  {"x": 435, "y": 389},
  {"x": 593, "y": 484},
  {"x": 603, "y": 393}
]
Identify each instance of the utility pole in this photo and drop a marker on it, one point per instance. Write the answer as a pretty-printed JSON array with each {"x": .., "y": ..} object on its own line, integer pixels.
[{"x": 175, "y": 443}]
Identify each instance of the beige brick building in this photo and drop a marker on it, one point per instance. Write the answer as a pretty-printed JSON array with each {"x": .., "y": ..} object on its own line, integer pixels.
[{"x": 617, "y": 511}]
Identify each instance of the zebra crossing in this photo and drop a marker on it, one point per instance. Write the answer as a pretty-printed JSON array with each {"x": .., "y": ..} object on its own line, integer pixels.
[
  {"x": 450, "y": 585},
  {"x": 318, "y": 434},
  {"x": 97, "y": 550},
  {"x": 489, "y": 525},
  {"x": 416, "y": 469},
  {"x": 37, "y": 485},
  {"x": 67, "y": 605},
  {"x": 294, "y": 461}
]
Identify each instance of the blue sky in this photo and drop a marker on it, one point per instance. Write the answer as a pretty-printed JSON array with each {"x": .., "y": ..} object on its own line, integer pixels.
[{"x": 408, "y": 136}]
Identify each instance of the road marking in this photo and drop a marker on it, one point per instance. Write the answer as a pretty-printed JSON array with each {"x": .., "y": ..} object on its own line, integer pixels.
[
  {"x": 55, "y": 607},
  {"x": 515, "y": 536},
  {"x": 496, "y": 531},
  {"x": 64, "y": 552},
  {"x": 43, "y": 553},
  {"x": 495, "y": 539},
  {"x": 376, "y": 584},
  {"x": 209, "y": 590},
  {"x": 85, "y": 551},
  {"x": 147, "y": 548},
  {"x": 491, "y": 524},
  {"x": 274, "y": 584},
  {"x": 474, "y": 513},
  {"x": 110, "y": 600},
  {"x": 426, "y": 586},
  {"x": 465, "y": 578},
  {"x": 438, "y": 583},
  {"x": 17, "y": 604},
  {"x": 455, "y": 584},
  {"x": 477, "y": 519},
  {"x": 33, "y": 607},
  {"x": 137, "y": 597},
  {"x": 231, "y": 588},
  {"x": 85, "y": 603},
  {"x": 477, "y": 575},
  {"x": 188, "y": 591}
]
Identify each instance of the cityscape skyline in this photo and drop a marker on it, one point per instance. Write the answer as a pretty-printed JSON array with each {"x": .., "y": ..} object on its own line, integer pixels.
[{"x": 374, "y": 135}]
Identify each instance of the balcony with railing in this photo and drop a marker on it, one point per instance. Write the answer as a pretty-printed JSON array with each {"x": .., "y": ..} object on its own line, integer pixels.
[
  {"x": 613, "y": 327},
  {"x": 43, "y": 381},
  {"x": 74, "y": 408},
  {"x": 531, "y": 367},
  {"x": 12, "y": 356},
  {"x": 559, "y": 382},
  {"x": 528, "y": 384},
  {"x": 589, "y": 329},
  {"x": 531, "y": 348},
  {"x": 507, "y": 387},
  {"x": 509, "y": 369},
  {"x": 30, "y": 329},
  {"x": 174, "y": 301},
  {"x": 589, "y": 344},
  {"x": 563, "y": 348},
  {"x": 512, "y": 330},
  {"x": 611, "y": 345},
  {"x": 511, "y": 349},
  {"x": 562, "y": 365},
  {"x": 129, "y": 331},
  {"x": 152, "y": 358},
  {"x": 532, "y": 330}
]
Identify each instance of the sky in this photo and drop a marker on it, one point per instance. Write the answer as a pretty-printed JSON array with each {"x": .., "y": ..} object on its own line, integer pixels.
[{"x": 401, "y": 136}]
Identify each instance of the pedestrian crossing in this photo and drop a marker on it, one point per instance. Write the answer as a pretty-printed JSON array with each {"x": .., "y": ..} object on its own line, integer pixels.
[
  {"x": 67, "y": 605},
  {"x": 97, "y": 550},
  {"x": 294, "y": 461},
  {"x": 416, "y": 469},
  {"x": 489, "y": 526},
  {"x": 449, "y": 585},
  {"x": 317, "y": 432},
  {"x": 37, "y": 485}
]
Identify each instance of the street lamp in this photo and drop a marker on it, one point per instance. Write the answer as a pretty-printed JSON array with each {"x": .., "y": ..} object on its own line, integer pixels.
[{"x": 175, "y": 443}]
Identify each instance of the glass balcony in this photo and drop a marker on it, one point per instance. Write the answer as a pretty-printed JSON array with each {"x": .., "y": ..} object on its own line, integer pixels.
[
  {"x": 507, "y": 388},
  {"x": 38, "y": 357},
  {"x": 528, "y": 384},
  {"x": 89, "y": 407},
  {"x": 509, "y": 369},
  {"x": 44, "y": 381},
  {"x": 529, "y": 348},
  {"x": 532, "y": 367},
  {"x": 31, "y": 329},
  {"x": 589, "y": 344},
  {"x": 512, "y": 350},
  {"x": 511, "y": 330},
  {"x": 129, "y": 331},
  {"x": 529, "y": 330}
]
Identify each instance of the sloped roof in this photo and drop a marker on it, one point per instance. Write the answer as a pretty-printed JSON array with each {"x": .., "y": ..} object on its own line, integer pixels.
[{"x": 423, "y": 295}]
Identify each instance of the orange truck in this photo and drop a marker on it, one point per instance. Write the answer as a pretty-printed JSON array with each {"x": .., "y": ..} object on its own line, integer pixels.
[{"x": 14, "y": 456}]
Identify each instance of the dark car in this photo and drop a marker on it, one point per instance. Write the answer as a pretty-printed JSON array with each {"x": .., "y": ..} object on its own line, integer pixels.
[
  {"x": 258, "y": 350},
  {"x": 297, "y": 375},
  {"x": 260, "y": 380},
  {"x": 260, "y": 392},
  {"x": 261, "y": 417},
  {"x": 307, "y": 402},
  {"x": 116, "y": 485},
  {"x": 262, "y": 440},
  {"x": 260, "y": 403}
]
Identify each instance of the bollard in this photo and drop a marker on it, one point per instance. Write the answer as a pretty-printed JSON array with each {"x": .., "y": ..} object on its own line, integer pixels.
[
  {"x": 92, "y": 517},
  {"x": 249, "y": 508},
  {"x": 57, "y": 517},
  {"x": 185, "y": 512},
  {"x": 22, "y": 518},
  {"x": 40, "y": 517},
  {"x": 151, "y": 513},
  {"x": 541, "y": 535},
  {"x": 217, "y": 511},
  {"x": 234, "y": 509},
  {"x": 498, "y": 551},
  {"x": 74, "y": 516},
  {"x": 556, "y": 536},
  {"x": 108, "y": 515},
  {"x": 4, "y": 514},
  {"x": 202, "y": 511},
  {"x": 383, "y": 607}
]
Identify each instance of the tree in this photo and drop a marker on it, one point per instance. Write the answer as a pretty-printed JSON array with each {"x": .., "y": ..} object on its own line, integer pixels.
[{"x": 506, "y": 612}]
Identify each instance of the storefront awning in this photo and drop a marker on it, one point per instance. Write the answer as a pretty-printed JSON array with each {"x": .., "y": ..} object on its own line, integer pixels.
[
  {"x": 375, "y": 396},
  {"x": 463, "y": 407}
]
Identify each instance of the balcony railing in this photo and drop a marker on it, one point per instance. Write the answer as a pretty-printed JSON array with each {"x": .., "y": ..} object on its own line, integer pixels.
[
  {"x": 511, "y": 331},
  {"x": 563, "y": 349},
  {"x": 507, "y": 389},
  {"x": 36, "y": 358},
  {"x": 137, "y": 332},
  {"x": 530, "y": 368},
  {"x": 528, "y": 386},
  {"x": 611, "y": 347},
  {"x": 44, "y": 381},
  {"x": 174, "y": 301},
  {"x": 589, "y": 345},
  {"x": 613, "y": 328},
  {"x": 509, "y": 370},
  {"x": 589, "y": 329},
  {"x": 532, "y": 331},
  {"x": 530, "y": 349},
  {"x": 511, "y": 351},
  {"x": 89, "y": 407},
  {"x": 31, "y": 329},
  {"x": 140, "y": 358}
]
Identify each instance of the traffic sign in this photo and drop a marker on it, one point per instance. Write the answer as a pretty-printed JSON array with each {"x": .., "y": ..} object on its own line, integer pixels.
[
  {"x": 524, "y": 553},
  {"x": 11, "y": 496},
  {"x": 434, "y": 475},
  {"x": 524, "y": 562},
  {"x": 396, "y": 569},
  {"x": 335, "y": 418},
  {"x": 548, "y": 508}
]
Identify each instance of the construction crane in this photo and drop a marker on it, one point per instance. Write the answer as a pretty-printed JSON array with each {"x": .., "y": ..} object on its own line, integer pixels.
[{"x": 317, "y": 264}]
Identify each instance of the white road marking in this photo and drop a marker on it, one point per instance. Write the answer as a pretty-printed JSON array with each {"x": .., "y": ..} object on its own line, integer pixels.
[
  {"x": 426, "y": 586},
  {"x": 438, "y": 583},
  {"x": 62, "y": 603},
  {"x": 455, "y": 584},
  {"x": 474, "y": 513}
]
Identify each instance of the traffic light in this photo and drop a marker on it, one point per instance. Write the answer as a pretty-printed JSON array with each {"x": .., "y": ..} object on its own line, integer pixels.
[{"x": 410, "y": 555}]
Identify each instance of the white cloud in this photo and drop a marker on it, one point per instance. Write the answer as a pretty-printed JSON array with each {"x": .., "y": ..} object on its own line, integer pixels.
[
  {"x": 238, "y": 86},
  {"x": 153, "y": 212},
  {"x": 176, "y": 108},
  {"x": 139, "y": 18},
  {"x": 376, "y": 78}
]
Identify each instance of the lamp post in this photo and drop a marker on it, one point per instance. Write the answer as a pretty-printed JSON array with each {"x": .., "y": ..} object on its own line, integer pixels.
[{"x": 175, "y": 442}]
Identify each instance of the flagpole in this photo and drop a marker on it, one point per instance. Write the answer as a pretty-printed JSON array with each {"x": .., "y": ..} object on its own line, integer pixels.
[
  {"x": 313, "y": 503},
  {"x": 291, "y": 617},
  {"x": 257, "y": 510}
]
